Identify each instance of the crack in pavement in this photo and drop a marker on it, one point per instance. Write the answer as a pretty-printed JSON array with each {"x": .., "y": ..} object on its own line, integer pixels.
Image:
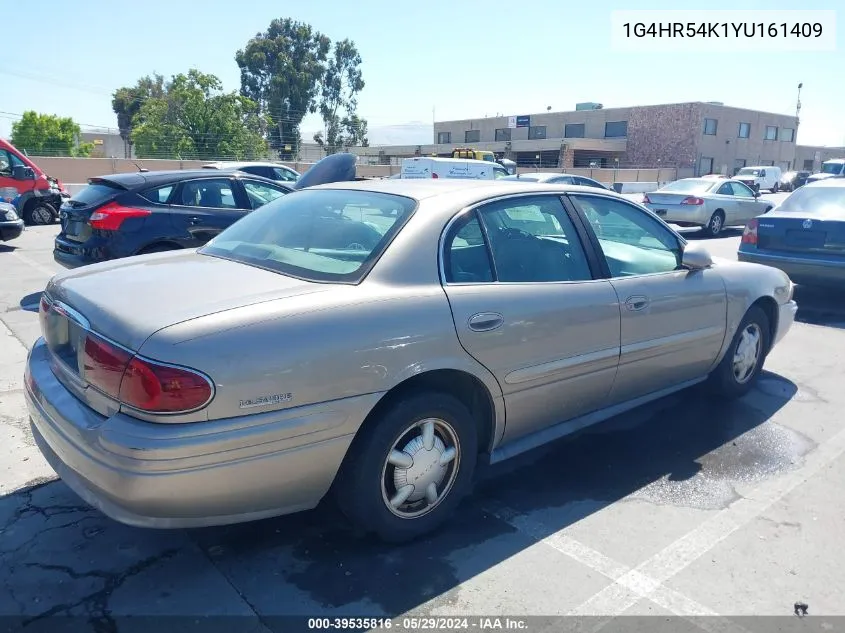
[{"x": 96, "y": 604}]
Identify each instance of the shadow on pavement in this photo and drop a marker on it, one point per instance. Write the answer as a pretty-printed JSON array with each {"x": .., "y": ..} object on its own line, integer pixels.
[
  {"x": 692, "y": 234},
  {"x": 820, "y": 306},
  {"x": 7, "y": 248},
  {"x": 59, "y": 556}
]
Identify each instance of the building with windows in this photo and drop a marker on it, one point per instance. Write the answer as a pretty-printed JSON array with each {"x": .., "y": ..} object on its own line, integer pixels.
[
  {"x": 811, "y": 157},
  {"x": 695, "y": 138}
]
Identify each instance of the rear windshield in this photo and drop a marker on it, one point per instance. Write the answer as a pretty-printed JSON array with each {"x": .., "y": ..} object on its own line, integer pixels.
[
  {"x": 331, "y": 235},
  {"x": 95, "y": 194},
  {"x": 818, "y": 199},
  {"x": 690, "y": 185}
]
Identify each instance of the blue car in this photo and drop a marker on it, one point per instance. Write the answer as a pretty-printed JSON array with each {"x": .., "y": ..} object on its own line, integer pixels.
[
  {"x": 804, "y": 236},
  {"x": 11, "y": 225}
]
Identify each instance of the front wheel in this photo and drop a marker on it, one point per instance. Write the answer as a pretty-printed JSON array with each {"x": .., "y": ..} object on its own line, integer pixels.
[
  {"x": 39, "y": 213},
  {"x": 775, "y": 188},
  {"x": 404, "y": 475},
  {"x": 743, "y": 362}
]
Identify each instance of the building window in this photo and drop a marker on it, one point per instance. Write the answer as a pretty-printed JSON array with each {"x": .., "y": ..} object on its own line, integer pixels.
[
  {"x": 616, "y": 129},
  {"x": 706, "y": 166},
  {"x": 472, "y": 136},
  {"x": 744, "y": 130},
  {"x": 809, "y": 164},
  {"x": 444, "y": 138},
  {"x": 787, "y": 135},
  {"x": 739, "y": 163},
  {"x": 537, "y": 132},
  {"x": 710, "y": 126},
  {"x": 503, "y": 134},
  {"x": 573, "y": 130},
  {"x": 771, "y": 133}
]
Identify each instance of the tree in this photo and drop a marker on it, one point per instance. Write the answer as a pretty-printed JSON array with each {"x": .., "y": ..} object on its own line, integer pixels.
[
  {"x": 342, "y": 81},
  {"x": 195, "y": 119},
  {"x": 281, "y": 71},
  {"x": 127, "y": 102},
  {"x": 48, "y": 135}
]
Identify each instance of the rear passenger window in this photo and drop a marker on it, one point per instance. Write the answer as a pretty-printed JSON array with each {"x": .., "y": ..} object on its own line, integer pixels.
[
  {"x": 159, "y": 195},
  {"x": 533, "y": 240},
  {"x": 466, "y": 257}
]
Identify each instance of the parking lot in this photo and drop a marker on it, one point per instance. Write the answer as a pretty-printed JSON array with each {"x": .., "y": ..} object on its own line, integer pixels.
[{"x": 686, "y": 507}]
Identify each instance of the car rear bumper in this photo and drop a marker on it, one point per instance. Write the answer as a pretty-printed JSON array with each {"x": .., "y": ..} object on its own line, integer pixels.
[
  {"x": 72, "y": 254},
  {"x": 801, "y": 270},
  {"x": 9, "y": 230},
  {"x": 190, "y": 474},
  {"x": 682, "y": 215}
]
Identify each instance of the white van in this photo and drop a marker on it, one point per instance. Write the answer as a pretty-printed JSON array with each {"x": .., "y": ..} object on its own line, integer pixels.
[
  {"x": 833, "y": 168},
  {"x": 760, "y": 177},
  {"x": 420, "y": 167}
]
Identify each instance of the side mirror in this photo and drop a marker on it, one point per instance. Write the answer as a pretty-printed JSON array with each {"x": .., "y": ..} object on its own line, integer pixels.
[
  {"x": 22, "y": 172},
  {"x": 696, "y": 257},
  {"x": 756, "y": 194}
]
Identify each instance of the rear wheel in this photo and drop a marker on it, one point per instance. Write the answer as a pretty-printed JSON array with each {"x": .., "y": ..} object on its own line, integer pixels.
[
  {"x": 715, "y": 224},
  {"x": 743, "y": 362},
  {"x": 404, "y": 475},
  {"x": 775, "y": 188},
  {"x": 39, "y": 213}
]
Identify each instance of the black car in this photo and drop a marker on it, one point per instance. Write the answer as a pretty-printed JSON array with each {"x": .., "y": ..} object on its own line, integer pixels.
[
  {"x": 791, "y": 180},
  {"x": 148, "y": 212}
]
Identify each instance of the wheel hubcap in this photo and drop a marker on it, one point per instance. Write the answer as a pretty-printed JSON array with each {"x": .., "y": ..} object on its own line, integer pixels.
[
  {"x": 421, "y": 468},
  {"x": 747, "y": 353},
  {"x": 716, "y": 223},
  {"x": 42, "y": 215}
]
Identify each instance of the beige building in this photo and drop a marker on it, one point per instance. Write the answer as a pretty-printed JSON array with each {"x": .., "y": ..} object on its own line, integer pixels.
[
  {"x": 811, "y": 157},
  {"x": 699, "y": 137}
]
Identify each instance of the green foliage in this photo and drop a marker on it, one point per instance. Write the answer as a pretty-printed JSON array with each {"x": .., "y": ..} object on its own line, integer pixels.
[
  {"x": 127, "y": 101},
  {"x": 342, "y": 81},
  {"x": 195, "y": 119},
  {"x": 47, "y": 135},
  {"x": 281, "y": 70}
]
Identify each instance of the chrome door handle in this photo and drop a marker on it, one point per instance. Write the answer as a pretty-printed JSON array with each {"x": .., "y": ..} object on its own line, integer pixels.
[
  {"x": 637, "y": 303},
  {"x": 195, "y": 220},
  {"x": 485, "y": 321}
]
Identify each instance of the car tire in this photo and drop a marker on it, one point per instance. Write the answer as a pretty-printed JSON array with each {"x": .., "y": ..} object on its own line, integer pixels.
[
  {"x": 733, "y": 376},
  {"x": 38, "y": 213},
  {"x": 369, "y": 487},
  {"x": 775, "y": 188},
  {"x": 715, "y": 224}
]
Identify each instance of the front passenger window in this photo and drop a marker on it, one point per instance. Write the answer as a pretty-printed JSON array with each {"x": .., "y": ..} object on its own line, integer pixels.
[{"x": 633, "y": 242}]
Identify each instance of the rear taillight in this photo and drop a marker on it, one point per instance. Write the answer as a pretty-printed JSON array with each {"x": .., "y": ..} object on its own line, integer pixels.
[
  {"x": 749, "y": 234},
  {"x": 692, "y": 200},
  {"x": 156, "y": 388},
  {"x": 109, "y": 217},
  {"x": 646, "y": 199},
  {"x": 433, "y": 175},
  {"x": 140, "y": 383}
]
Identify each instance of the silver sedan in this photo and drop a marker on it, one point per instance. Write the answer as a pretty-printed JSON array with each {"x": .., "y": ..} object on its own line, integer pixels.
[
  {"x": 709, "y": 203},
  {"x": 377, "y": 341}
]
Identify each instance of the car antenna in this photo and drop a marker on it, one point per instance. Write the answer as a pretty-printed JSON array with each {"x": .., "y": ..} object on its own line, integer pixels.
[{"x": 140, "y": 169}]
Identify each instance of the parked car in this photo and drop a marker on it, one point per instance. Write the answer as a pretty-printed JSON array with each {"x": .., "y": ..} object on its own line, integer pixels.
[
  {"x": 354, "y": 339},
  {"x": 834, "y": 168},
  {"x": 804, "y": 236},
  {"x": 11, "y": 226},
  {"x": 714, "y": 177},
  {"x": 556, "y": 179},
  {"x": 759, "y": 178},
  {"x": 707, "y": 203},
  {"x": 37, "y": 196},
  {"x": 273, "y": 171},
  {"x": 791, "y": 180},
  {"x": 137, "y": 213}
]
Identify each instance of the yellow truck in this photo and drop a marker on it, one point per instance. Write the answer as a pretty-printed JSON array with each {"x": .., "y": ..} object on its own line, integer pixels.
[{"x": 473, "y": 154}]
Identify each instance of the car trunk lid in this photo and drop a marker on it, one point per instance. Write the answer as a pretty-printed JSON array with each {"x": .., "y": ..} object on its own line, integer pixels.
[{"x": 796, "y": 233}]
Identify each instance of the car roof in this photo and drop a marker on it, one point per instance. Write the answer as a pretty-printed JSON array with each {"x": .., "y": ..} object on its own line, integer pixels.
[
  {"x": 423, "y": 188},
  {"x": 135, "y": 180},
  {"x": 827, "y": 182}
]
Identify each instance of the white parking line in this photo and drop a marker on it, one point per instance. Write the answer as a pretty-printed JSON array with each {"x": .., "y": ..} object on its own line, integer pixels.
[
  {"x": 34, "y": 264},
  {"x": 686, "y": 550}
]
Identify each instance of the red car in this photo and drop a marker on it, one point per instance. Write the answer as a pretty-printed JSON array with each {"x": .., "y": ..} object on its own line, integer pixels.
[{"x": 36, "y": 195}]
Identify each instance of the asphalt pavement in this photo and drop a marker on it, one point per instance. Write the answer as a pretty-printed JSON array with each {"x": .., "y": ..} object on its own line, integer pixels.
[{"x": 688, "y": 509}]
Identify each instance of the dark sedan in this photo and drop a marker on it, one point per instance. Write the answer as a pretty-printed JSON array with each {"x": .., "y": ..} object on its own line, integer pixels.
[
  {"x": 791, "y": 180},
  {"x": 137, "y": 213},
  {"x": 11, "y": 226},
  {"x": 804, "y": 236}
]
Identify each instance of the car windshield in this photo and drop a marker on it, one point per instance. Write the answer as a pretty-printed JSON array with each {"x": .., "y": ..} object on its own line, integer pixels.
[
  {"x": 747, "y": 171},
  {"x": 333, "y": 235},
  {"x": 825, "y": 200},
  {"x": 832, "y": 168},
  {"x": 689, "y": 185}
]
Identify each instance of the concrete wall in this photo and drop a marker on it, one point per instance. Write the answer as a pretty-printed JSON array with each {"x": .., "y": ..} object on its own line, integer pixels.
[
  {"x": 107, "y": 144},
  {"x": 807, "y": 154}
]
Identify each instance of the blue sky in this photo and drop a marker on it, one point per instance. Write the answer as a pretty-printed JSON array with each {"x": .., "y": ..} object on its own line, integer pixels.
[{"x": 462, "y": 59}]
